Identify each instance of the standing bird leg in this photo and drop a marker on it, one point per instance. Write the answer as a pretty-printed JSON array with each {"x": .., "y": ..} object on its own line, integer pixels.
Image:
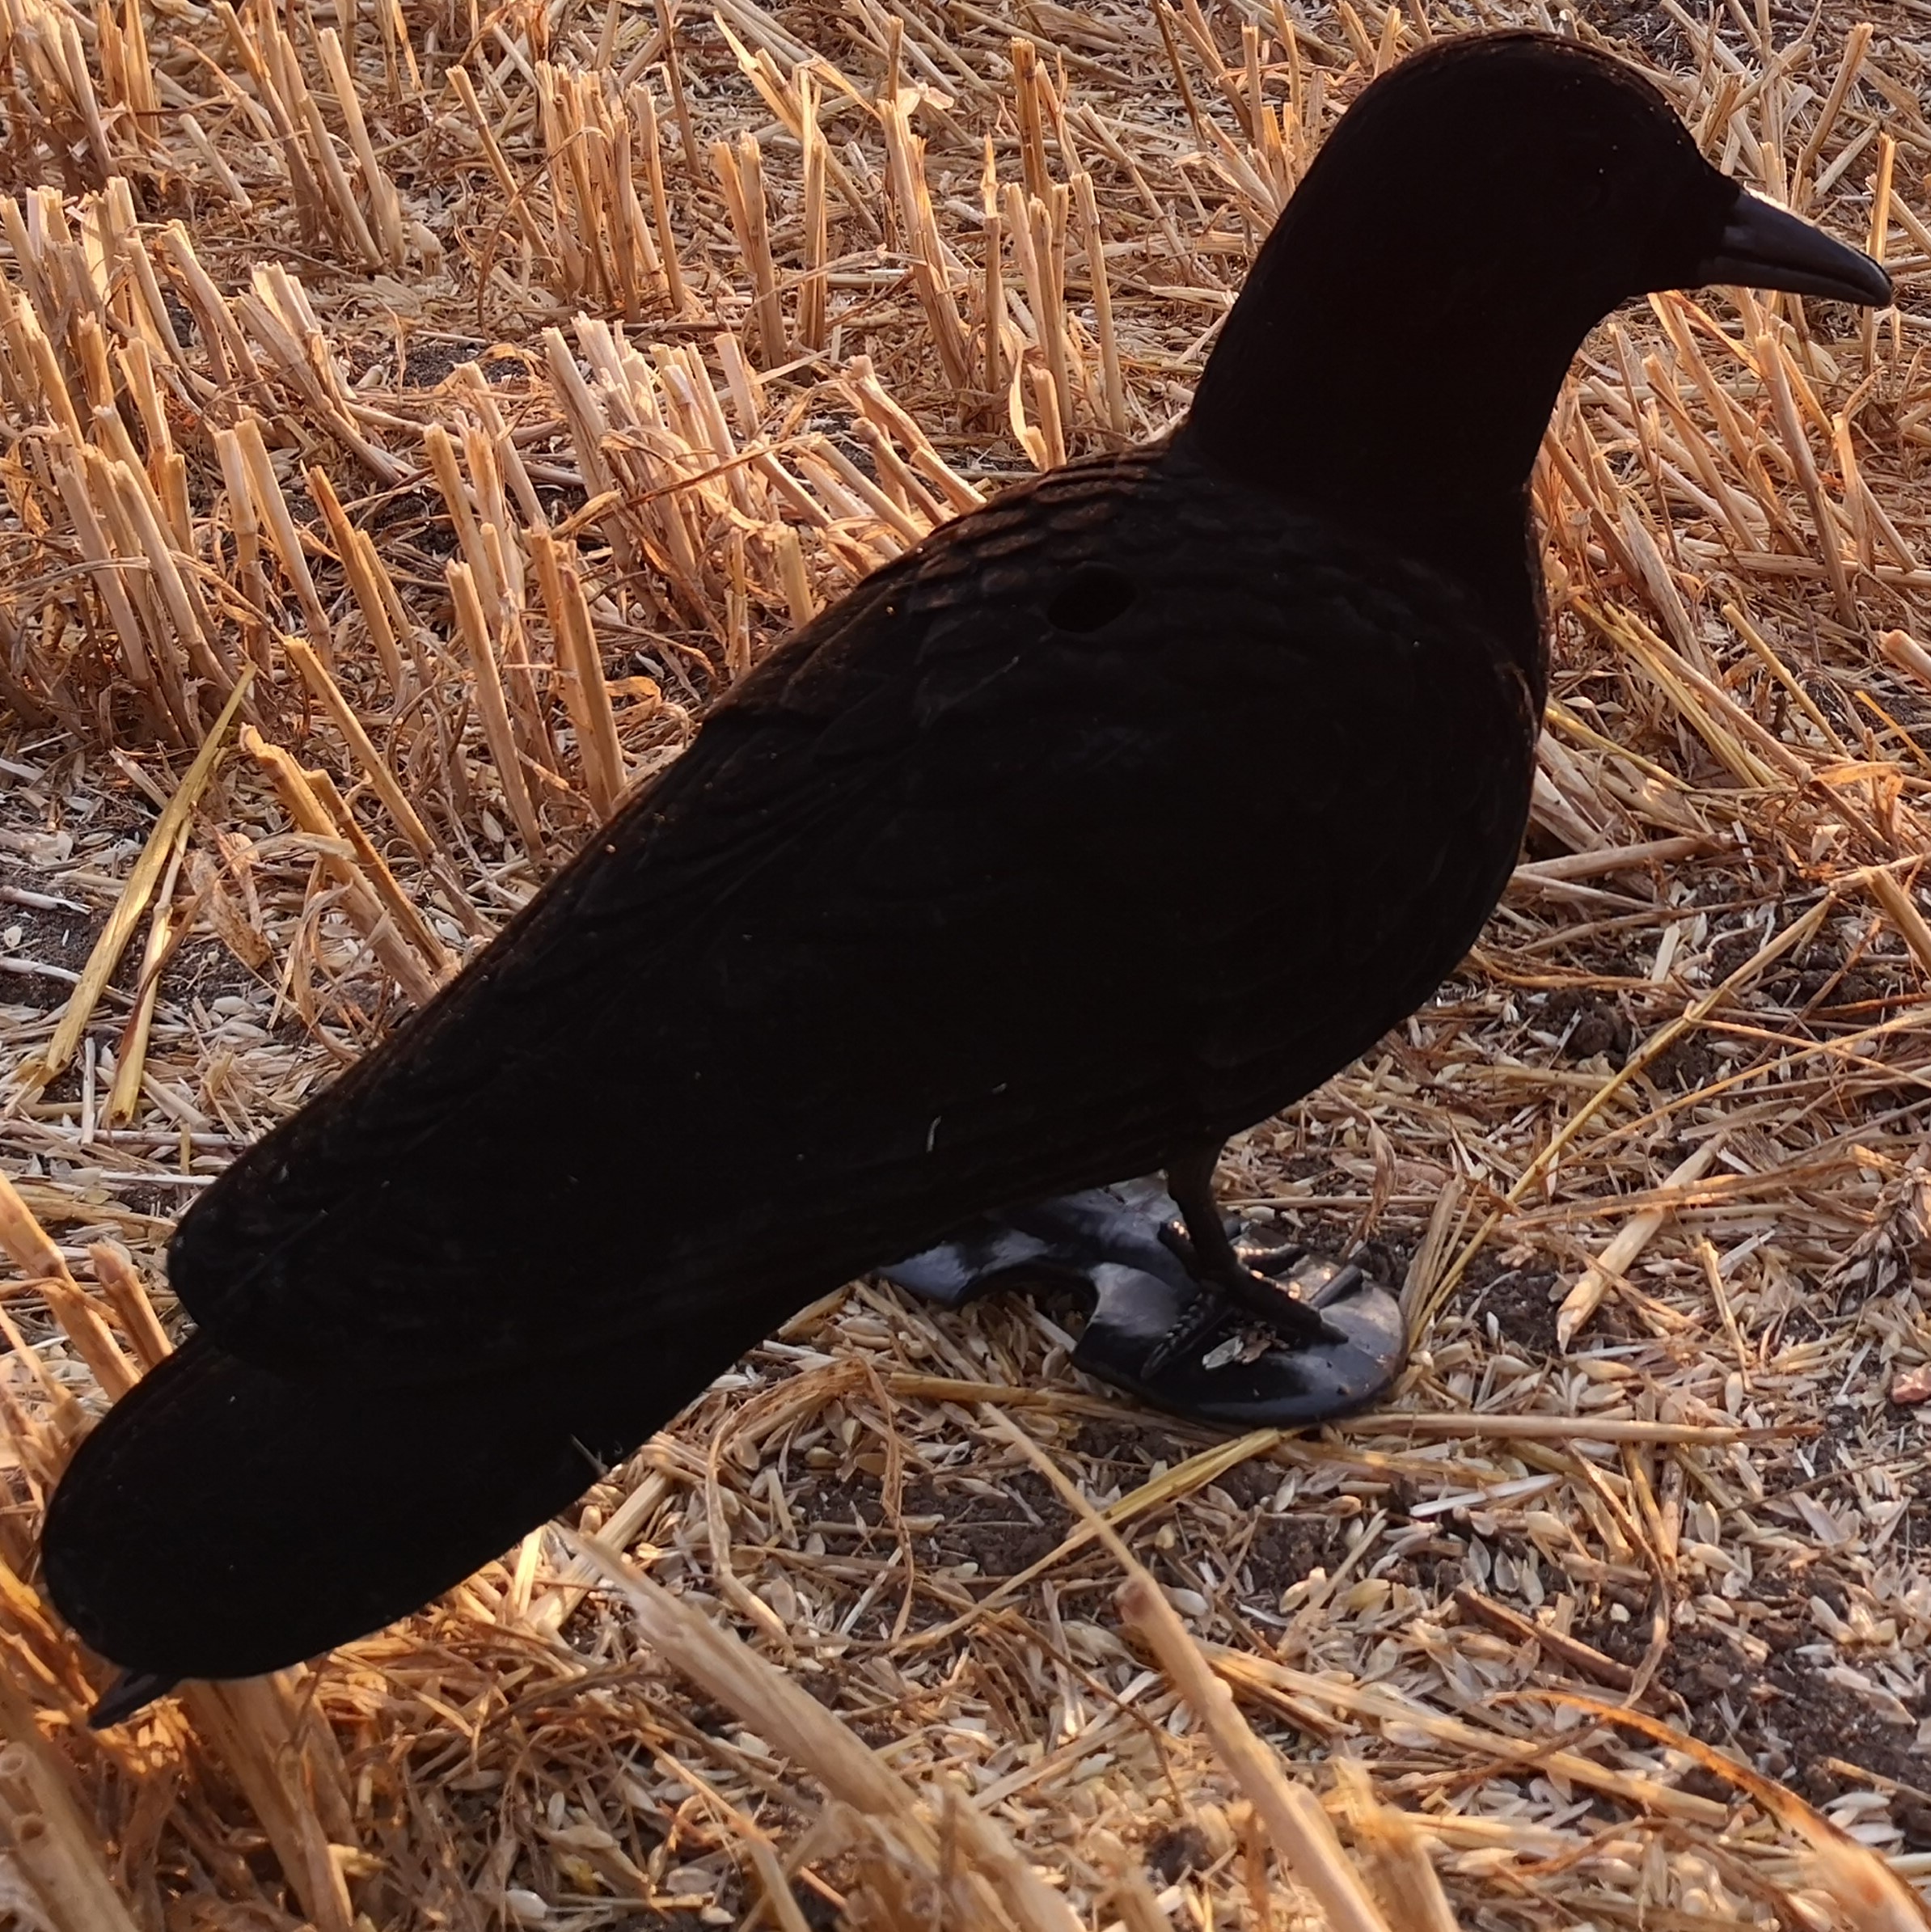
[
  {"x": 1218, "y": 1269},
  {"x": 1178, "y": 1317}
]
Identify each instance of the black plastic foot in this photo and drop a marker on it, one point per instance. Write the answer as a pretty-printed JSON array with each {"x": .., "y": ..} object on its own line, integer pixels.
[{"x": 1157, "y": 1331}]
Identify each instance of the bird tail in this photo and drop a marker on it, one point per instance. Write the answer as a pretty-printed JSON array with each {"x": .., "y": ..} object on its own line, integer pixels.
[{"x": 225, "y": 1521}]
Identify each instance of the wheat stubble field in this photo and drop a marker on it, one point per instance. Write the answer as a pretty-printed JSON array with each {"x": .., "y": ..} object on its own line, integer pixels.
[{"x": 414, "y": 415}]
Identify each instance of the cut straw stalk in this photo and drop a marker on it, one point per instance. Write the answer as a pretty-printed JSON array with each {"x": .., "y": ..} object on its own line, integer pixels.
[
  {"x": 230, "y": 353},
  {"x": 513, "y": 198},
  {"x": 133, "y": 515},
  {"x": 1776, "y": 375},
  {"x": 164, "y": 931},
  {"x": 875, "y": 403},
  {"x": 992, "y": 293},
  {"x": 1760, "y": 646},
  {"x": 1032, "y": 131},
  {"x": 1386, "y": 1710},
  {"x": 644, "y": 107},
  {"x": 1793, "y": 935},
  {"x": 1872, "y": 1896},
  {"x": 276, "y": 312},
  {"x": 1093, "y": 236},
  {"x": 46, "y": 1819},
  {"x": 31, "y": 1250},
  {"x": 383, "y": 925},
  {"x": 1907, "y": 654},
  {"x": 674, "y": 69},
  {"x": 600, "y": 240},
  {"x": 1163, "y": 1491},
  {"x": 133, "y": 899},
  {"x": 43, "y": 1439},
  {"x": 494, "y": 713},
  {"x": 1474, "y": 1424},
  {"x": 1037, "y": 229},
  {"x": 127, "y": 1294},
  {"x": 378, "y": 189},
  {"x": 332, "y": 205},
  {"x": 1567, "y": 1651},
  {"x": 1598, "y": 863},
  {"x": 586, "y": 696},
  {"x": 375, "y": 767},
  {"x": 1890, "y": 893},
  {"x": 1395, "y": 1848},
  {"x": 441, "y": 449},
  {"x": 399, "y": 907},
  {"x": 779, "y": 1901},
  {"x": 363, "y": 568},
  {"x": 1620, "y": 1256},
  {"x": 151, "y": 669},
  {"x": 813, "y": 288},
  {"x": 245, "y": 528},
  {"x": 288, "y": 1767},
  {"x": 932, "y": 263},
  {"x": 273, "y": 518},
  {"x": 794, "y": 1723},
  {"x": 474, "y": 387},
  {"x": 69, "y": 1892},
  {"x": 795, "y": 106},
  {"x": 739, "y": 166},
  {"x": 1802, "y": 172},
  {"x": 126, "y": 77},
  {"x": 1302, "y": 1838}
]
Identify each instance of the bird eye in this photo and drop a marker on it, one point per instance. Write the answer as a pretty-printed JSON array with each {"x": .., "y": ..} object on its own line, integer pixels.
[{"x": 1089, "y": 599}]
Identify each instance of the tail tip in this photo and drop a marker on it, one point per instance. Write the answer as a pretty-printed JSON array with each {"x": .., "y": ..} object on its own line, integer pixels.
[{"x": 132, "y": 1691}]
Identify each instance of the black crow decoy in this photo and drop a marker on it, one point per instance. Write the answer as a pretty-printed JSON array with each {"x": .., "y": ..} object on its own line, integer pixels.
[{"x": 1106, "y": 822}]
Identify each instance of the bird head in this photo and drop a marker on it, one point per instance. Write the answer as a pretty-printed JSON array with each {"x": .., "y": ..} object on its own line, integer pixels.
[
  {"x": 1525, "y": 167},
  {"x": 1402, "y": 339}
]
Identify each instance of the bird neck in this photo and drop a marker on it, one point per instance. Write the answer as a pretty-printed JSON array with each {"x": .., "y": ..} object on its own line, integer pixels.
[{"x": 1402, "y": 405}]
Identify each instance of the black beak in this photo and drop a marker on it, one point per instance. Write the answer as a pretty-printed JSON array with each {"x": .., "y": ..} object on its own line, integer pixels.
[{"x": 1762, "y": 247}]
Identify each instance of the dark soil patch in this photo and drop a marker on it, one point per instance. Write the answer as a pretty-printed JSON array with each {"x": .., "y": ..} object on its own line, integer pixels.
[
  {"x": 163, "y": 1204},
  {"x": 52, "y": 938},
  {"x": 1385, "y": 1260},
  {"x": 1785, "y": 1715},
  {"x": 1684, "y": 1064},
  {"x": 42, "y": 936},
  {"x": 819, "y": 1911},
  {"x": 1251, "y": 1484},
  {"x": 1600, "y": 1026},
  {"x": 1524, "y": 1309},
  {"x": 949, "y": 1523},
  {"x": 1130, "y": 1449},
  {"x": 1002, "y": 1534},
  {"x": 410, "y": 510},
  {"x": 1437, "y": 1567},
  {"x": 1381, "y": 1257},
  {"x": 1796, "y": 1324},
  {"x": 429, "y": 360},
  {"x": 205, "y": 970},
  {"x": 1175, "y": 1853},
  {"x": 845, "y": 1506},
  {"x": 1286, "y": 1548}
]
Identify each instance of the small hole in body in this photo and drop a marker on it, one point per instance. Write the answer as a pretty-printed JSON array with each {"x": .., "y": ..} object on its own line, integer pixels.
[{"x": 1091, "y": 597}]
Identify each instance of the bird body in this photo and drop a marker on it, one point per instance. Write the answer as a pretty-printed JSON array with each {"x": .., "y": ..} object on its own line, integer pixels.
[
  {"x": 1107, "y": 821},
  {"x": 1064, "y": 779}
]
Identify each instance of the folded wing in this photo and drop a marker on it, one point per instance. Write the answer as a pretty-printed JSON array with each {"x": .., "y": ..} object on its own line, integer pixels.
[{"x": 1019, "y": 870}]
